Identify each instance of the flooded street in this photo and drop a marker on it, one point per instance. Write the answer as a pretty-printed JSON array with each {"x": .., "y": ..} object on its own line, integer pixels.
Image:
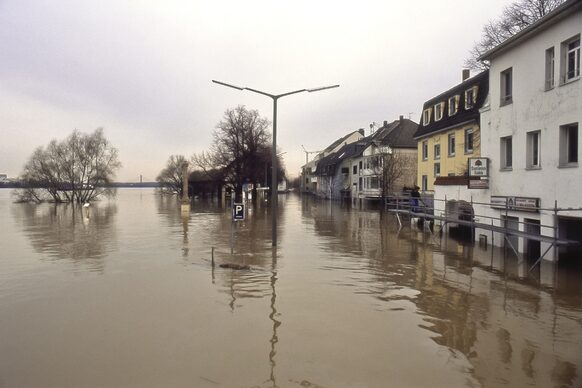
[{"x": 126, "y": 296}]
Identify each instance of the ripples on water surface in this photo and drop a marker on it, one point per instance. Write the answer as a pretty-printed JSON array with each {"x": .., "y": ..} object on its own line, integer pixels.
[{"x": 127, "y": 296}]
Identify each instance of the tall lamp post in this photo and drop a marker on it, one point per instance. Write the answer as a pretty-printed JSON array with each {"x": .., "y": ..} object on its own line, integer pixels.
[{"x": 275, "y": 97}]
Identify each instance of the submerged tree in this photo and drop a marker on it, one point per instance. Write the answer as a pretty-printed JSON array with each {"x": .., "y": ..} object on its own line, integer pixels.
[
  {"x": 171, "y": 178},
  {"x": 394, "y": 170},
  {"x": 240, "y": 150},
  {"x": 77, "y": 169},
  {"x": 514, "y": 18}
]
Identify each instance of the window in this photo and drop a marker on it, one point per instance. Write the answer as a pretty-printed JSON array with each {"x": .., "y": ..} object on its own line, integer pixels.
[
  {"x": 360, "y": 166},
  {"x": 438, "y": 111},
  {"x": 571, "y": 59},
  {"x": 506, "y": 87},
  {"x": 374, "y": 183},
  {"x": 469, "y": 140},
  {"x": 437, "y": 151},
  {"x": 424, "y": 183},
  {"x": 470, "y": 97},
  {"x": 550, "y": 67},
  {"x": 506, "y": 153},
  {"x": 437, "y": 169},
  {"x": 426, "y": 116},
  {"x": 355, "y": 169},
  {"x": 345, "y": 170},
  {"x": 425, "y": 150},
  {"x": 569, "y": 145},
  {"x": 533, "y": 149},
  {"x": 452, "y": 144},
  {"x": 453, "y": 105}
]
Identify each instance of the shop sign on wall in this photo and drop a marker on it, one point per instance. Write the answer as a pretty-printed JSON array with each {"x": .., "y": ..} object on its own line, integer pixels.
[{"x": 526, "y": 204}]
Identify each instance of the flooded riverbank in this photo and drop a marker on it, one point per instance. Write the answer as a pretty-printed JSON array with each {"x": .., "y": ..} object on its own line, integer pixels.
[{"x": 127, "y": 296}]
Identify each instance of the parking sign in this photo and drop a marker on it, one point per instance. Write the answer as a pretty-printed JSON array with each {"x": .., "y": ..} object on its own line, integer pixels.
[{"x": 238, "y": 211}]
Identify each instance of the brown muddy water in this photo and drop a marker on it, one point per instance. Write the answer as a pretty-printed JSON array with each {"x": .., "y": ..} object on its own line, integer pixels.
[{"x": 126, "y": 296}]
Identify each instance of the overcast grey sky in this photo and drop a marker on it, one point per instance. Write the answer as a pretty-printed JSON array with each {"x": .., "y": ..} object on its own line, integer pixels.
[{"x": 142, "y": 70}]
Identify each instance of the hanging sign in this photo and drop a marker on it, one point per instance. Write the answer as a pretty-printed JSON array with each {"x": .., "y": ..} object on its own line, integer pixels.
[{"x": 479, "y": 167}]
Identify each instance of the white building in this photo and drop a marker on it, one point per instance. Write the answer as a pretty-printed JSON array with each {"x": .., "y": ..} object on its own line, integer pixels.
[
  {"x": 530, "y": 132},
  {"x": 310, "y": 176}
]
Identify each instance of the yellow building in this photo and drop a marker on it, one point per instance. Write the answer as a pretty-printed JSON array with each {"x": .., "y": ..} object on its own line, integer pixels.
[{"x": 449, "y": 131}]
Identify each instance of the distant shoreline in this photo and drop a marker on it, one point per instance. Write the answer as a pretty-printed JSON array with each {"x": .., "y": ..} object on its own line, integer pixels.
[{"x": 16, "y": 185}]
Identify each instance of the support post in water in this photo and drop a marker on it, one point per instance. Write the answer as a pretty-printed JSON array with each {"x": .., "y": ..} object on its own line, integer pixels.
[
  {"x": 238, "y": 214},
  {"x": 185, "y": 198}
]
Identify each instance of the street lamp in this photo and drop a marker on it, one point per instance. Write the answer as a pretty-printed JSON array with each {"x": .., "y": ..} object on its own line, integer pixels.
[{"x": 275, "y": 97}]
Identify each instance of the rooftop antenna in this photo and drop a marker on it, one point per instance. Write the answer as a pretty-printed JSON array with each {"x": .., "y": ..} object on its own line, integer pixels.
[
  {"x": 372, "y": 127},
  {"x": 307, "y": 153},
  {"x": 410, "y": 115}
]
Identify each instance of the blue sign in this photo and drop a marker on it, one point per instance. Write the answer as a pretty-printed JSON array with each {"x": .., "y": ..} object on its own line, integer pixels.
[{"x": 238, "y": 211}]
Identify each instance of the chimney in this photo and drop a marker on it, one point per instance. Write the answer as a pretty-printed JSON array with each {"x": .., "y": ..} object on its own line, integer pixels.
[
  {"x": 361, "y": 130},
  {"x": 401, "y": 118},
  {"x": 385, "y": 123},
  {"x": 466, "y": 74}
]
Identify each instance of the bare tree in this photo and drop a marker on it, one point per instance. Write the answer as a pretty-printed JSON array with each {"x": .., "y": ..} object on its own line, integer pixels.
[
  {"x": 78, "y": 169},
  {"x": 391, "y": 168},
  {"x": 514, "y": 18},
  {"x": 240, "y": 150},
  {"x": 171, "y": 177}
]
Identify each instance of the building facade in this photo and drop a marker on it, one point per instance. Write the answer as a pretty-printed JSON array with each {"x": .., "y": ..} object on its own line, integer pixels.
[
  {"x": 449, "y": 131},
  {"x": 530, "y": 132}
]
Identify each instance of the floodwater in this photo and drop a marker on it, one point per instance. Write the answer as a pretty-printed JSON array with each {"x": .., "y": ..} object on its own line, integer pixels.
[{"x": 126, "y": 296}]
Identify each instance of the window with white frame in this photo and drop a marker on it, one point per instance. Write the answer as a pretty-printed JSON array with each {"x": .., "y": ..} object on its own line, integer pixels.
[
  {"x": 425, "y": 150},
  {"x": 533, "y": 154},
  {"x": 426, "y": 116},
  {"x": 451, "y": 143},
  {"x": 550, "y": 68},
  {"x": 374, "y": 182},
  {"x": 437, "y": 151},
  {"x": 424, "y": 183},
  {"x": 571, "y": 59},
  {"x": 506, "y": 144},
  {"x": 438, "y": 111},
  {"x": 506, "y": 79},
  {"x": 569, "y": 145},
  {"x": 469, "y": 136},
  {"x": 469, "y": 98},
  {"x": 453, "y": 105},
  {"x": 437, "y": 169}
]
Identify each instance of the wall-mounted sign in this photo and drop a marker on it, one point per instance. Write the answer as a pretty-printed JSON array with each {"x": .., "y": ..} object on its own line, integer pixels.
[
  {"x": 482, "y": 183},
  {"x": 498, "y": 202},
  {"x": 526, "y": 204},
  {"x": 478, "y": 167}
]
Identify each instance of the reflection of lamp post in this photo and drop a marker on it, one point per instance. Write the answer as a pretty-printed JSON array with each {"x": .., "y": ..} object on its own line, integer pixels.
[{"x": 275, "y": 97}]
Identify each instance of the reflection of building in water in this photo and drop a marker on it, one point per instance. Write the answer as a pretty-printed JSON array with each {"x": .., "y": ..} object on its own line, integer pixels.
[
  {"x": 477, "y": 301},
  {"x": 67, "y": 231}
]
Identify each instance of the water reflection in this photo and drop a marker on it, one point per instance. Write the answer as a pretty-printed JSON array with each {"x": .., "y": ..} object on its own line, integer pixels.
[
  {"x": 68, "y": 231},
  {"x": 476, "y": 301},
  {"x": 346, "y": 299}
]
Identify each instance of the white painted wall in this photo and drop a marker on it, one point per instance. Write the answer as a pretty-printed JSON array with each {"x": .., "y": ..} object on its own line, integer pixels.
[{"x": 534, "y": 108}]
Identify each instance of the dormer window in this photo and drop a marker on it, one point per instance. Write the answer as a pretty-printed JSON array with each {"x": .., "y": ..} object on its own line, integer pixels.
[
  {"x": 426, "y": 116},
  {"x": 438, "y": 111},
  {"x": 470, "y": 97},
  {"x": 454, "y": 105}
]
